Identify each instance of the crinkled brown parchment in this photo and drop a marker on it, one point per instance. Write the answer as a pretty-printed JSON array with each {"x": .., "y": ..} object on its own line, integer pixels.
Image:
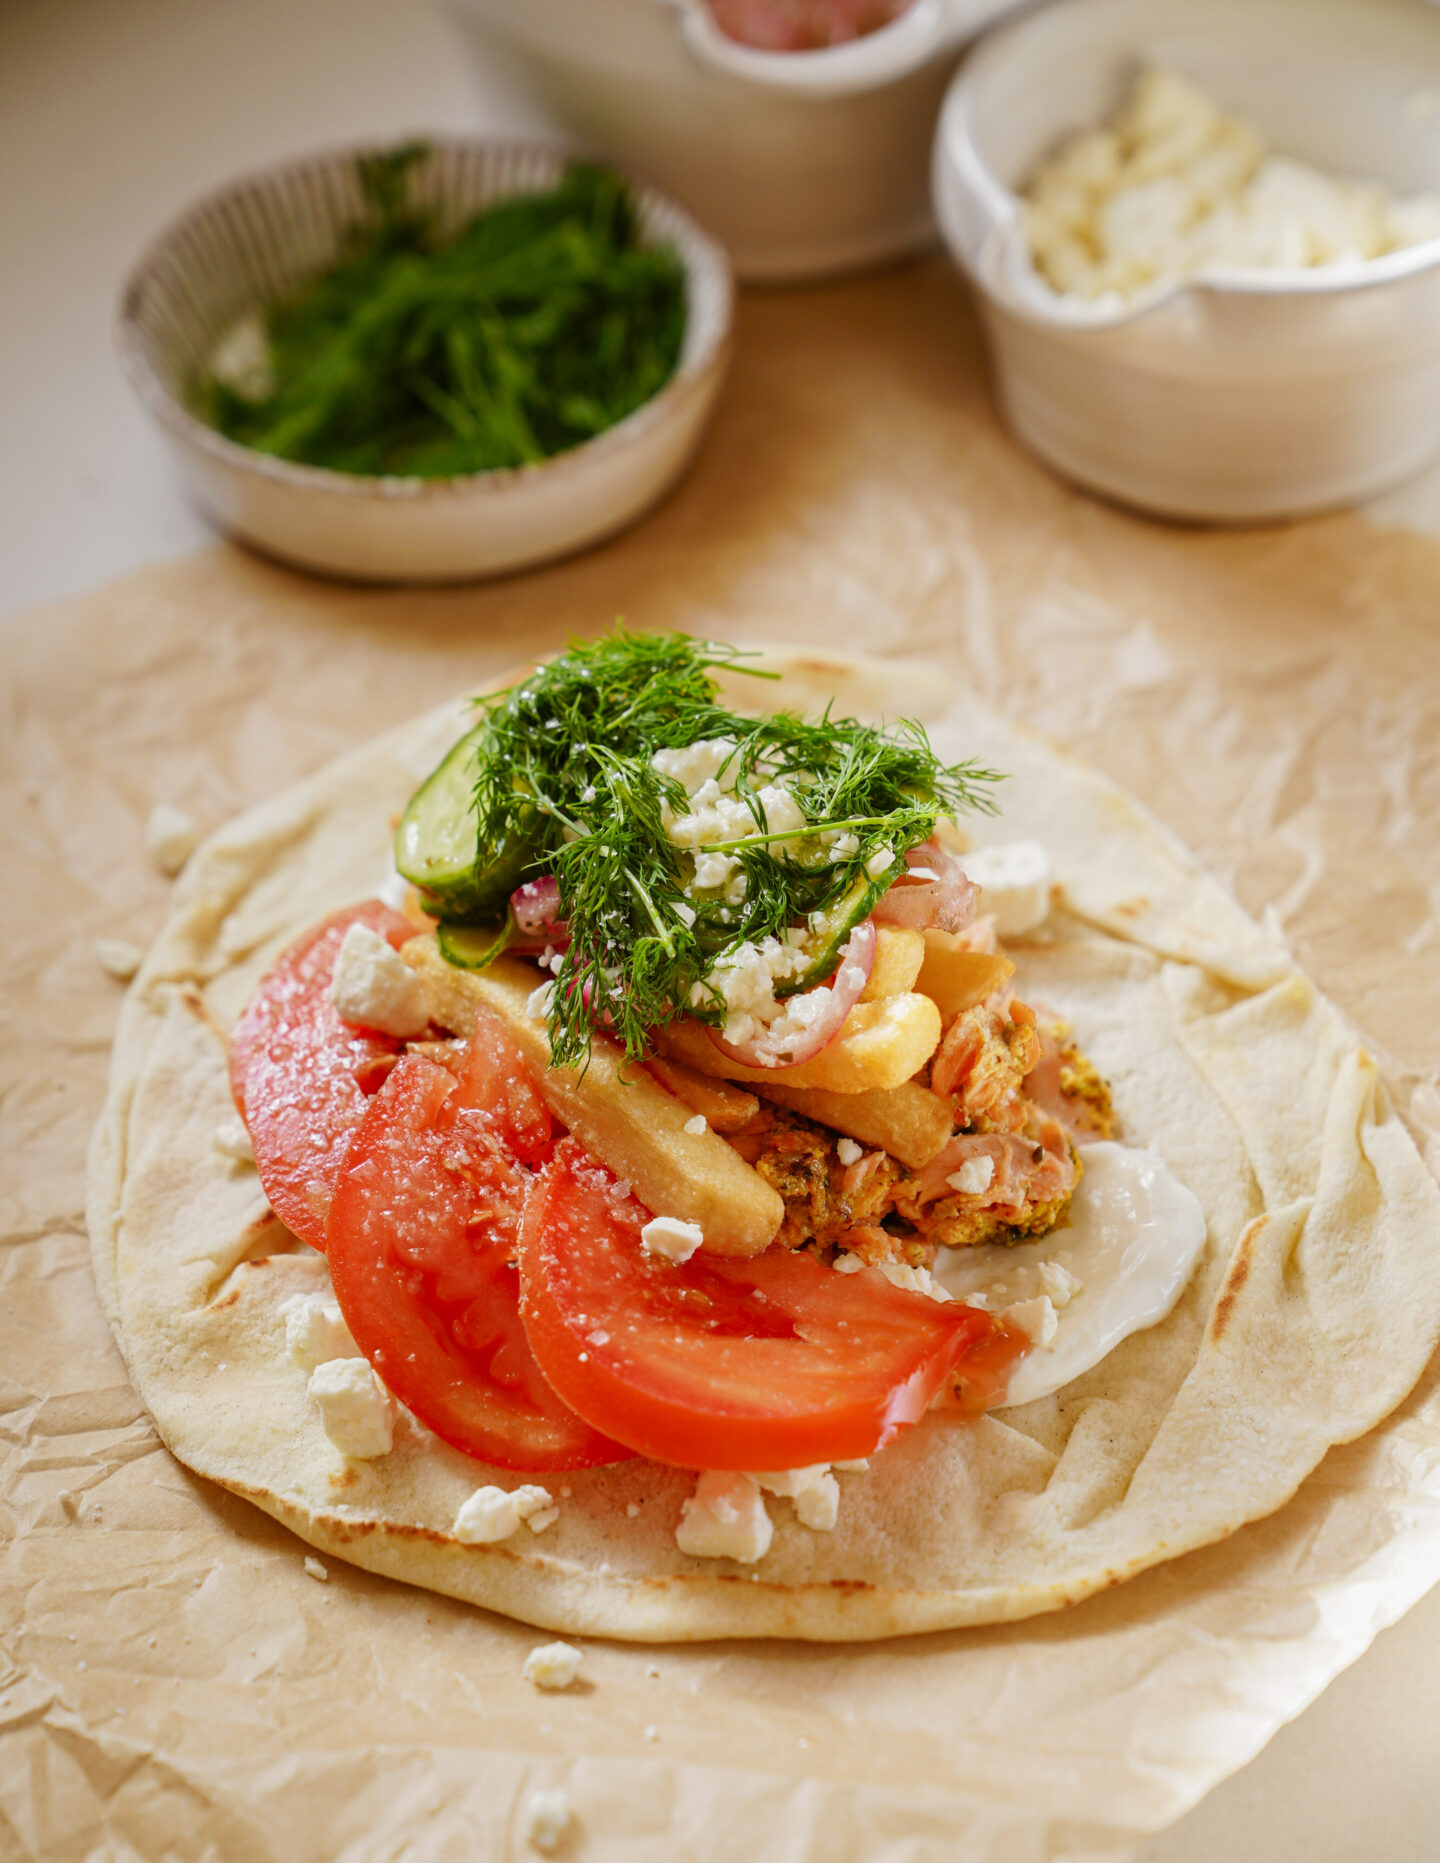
[{"x": 172, "y": 1683}]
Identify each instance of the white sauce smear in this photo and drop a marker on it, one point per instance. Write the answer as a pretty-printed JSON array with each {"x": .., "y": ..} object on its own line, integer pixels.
[{"x": 1134, "y": 1236}]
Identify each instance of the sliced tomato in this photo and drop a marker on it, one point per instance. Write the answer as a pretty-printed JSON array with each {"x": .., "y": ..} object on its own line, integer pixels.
[
  {"x": 301, "y": 1077},
  {"x": 771, "y": 1363},
  {"x": 422, "y": 1238}
]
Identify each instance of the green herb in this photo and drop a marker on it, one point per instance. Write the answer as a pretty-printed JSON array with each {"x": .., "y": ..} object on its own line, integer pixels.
[
  {"x": 537, "y": 325},
  {"x": 564, "y": 766}
]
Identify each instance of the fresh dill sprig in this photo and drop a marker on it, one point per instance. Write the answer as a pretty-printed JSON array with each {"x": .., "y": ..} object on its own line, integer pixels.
[
  {"x": 428, "y": 352},
  {"x": 564, "y": 769}
]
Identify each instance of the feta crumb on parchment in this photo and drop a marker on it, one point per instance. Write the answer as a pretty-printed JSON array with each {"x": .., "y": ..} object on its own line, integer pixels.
[
  {"x": 815, "y": 1492},
  {"x": 547, "y": 1818},
  {"x": 670, "y": 1238},
  {"x": 314, "y": 1569},
  {"x": 357, "y": 1410},
  {"x": 848, "y": 1151},
  {"x": 493, "y": 1514},
  {"x": 552, "y": 1665},
  {"x": 695, "y": 1126},
  {"x": 1036, "y": 1317},
  {"x": 315, "y": 1330},
  {"x": 232, "y": 1140},
  {"x": 974, "y": 1176},
  {"x": 374, "y": 988},
  {"x": 118, "y": 958},
  {"x": 171, "y": 837}
]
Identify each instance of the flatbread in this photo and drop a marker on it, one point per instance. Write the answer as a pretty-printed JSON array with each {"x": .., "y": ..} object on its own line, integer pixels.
[{"x": 1310, "y": 1315}]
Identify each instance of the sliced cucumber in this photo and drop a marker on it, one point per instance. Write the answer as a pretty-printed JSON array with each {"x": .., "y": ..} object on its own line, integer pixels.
[
  {"x": 474, "y": 947},
  {"x": 824, "y": 948},
  {"x": 435, "y": 844}
]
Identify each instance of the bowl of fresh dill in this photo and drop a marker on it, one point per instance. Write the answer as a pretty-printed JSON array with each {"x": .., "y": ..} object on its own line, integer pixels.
[{"x": 433, "y": 362}]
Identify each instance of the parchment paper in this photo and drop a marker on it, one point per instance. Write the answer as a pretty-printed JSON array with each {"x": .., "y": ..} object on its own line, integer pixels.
[{"x": 172, "y": 1684}]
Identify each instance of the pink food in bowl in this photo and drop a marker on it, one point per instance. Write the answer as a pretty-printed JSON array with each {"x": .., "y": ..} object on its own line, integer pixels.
[{"x": 802, "y": 25}]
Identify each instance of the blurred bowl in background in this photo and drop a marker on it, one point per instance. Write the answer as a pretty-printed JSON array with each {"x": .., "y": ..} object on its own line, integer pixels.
[
  {"x": 804, "y": 163},
  {"x": 253, "y": 242},
  {"x": 1232, "y": 397}
]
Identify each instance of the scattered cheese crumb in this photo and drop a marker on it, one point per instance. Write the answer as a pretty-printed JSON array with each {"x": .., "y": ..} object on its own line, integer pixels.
[
  {"x": 493, "y": 1514},
  {"x": 814, "y": 1490},
  {"x": 974, "y": 1176},
  {"x": 374, "y": 988},
  {"x": 357, "y": 1410},
  {"x": 543, "y": 1517},
  {"x": 233, "y": 1140},
  {"x": 669, "y": 1237},
  {"x": 1057, "y": 1281},
  {"x": 725, "y": 1519},
  {"x": 314, "y": 1569},
  {"x": 848, "y": 1151},
  {"x": 315, "y": 1330},
  {"x": 118, "y": 958},
  {"x": 1014, "y": 880},
  {"x": 696, "y": 1126},
  {"x": 847, "y": 1263},
  {"x": 537, "y": 1003},
  {"x": 171, "y": 837},
  {"x": 1036, "y": 1317},
  {"x": 913, "y": 1280},
  {"x": 856, "y": 1466},
  {"x": 547, "y": 1818},
  {"x": 552, "y": 1665}
]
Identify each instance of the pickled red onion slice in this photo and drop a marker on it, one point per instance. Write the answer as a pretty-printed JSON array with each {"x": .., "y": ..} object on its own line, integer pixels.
[
  {"x": 828, "y": 1005},
  {"x": 944, "y": 901}
]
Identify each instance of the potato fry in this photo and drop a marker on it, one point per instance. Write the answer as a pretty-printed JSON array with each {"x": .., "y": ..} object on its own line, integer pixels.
[
  {"x": 899, "y": 953},
  {"x": 726, "y": 1108},
  {"x": 619, "y": 1112},
  {"x": 909, "y": 1121},
  {"x": 881, "y": 1045},
  {"x": 956, "y": 979}
]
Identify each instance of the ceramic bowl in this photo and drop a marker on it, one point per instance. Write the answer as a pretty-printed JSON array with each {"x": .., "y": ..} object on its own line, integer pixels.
[
  {"x": 252, "y": 242},
  {"x": 804, "y": 163},
  {"x": 1239, "y": 396}
]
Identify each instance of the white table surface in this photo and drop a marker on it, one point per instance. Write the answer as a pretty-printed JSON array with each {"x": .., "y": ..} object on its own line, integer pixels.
[{"x": 115, "y": 113}]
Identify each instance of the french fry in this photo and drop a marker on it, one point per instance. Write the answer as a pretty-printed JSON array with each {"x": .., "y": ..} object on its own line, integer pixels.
[
  {"x": 726, "y": 1108},
  {"x": 881, "y": 1045},
  {"x": 954, "y": 978},
  {"x": 909, "y": 1121},
  {"x": 619, "y": 1112},
  {"x": 899, "y": 953}
]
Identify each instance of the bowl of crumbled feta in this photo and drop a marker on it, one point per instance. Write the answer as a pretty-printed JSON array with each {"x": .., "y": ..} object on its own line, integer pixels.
[{"x": 1206, "y": 240}]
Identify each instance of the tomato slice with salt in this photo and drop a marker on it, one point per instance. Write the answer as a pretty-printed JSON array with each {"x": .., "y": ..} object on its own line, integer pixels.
[
  {"x": 422, "y": 1237},
  {"x": 770, "y": 1363},
  {"x": 301, "y": 1077}
]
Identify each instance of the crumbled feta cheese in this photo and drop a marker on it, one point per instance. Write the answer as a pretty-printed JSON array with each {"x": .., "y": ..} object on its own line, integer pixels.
[
  {"x": 881, "y": 861},
  {"x": 667, "y": 1236},
  {"x": 171, "y": 837},
  {"x": 357, "y": 1411},
  {"x": 118, "y": 958},
  {"x": 1014, "y": 882},
  {"x": 815, "y": 1492},
  {"x": 1173, "y": 186},
  {"x": 685, "y": 914},
  {"x": 374, "y": 988},
  {"x": 243, "y": 361},
  {"x": 842, "y": 845},
  {"x": 233, "y": 1140},
  {"x": 974, "y": 1176},
  {"x": 1059, "y": 1283},
  {"x": 552, "y": 1665},
  {"x": 493, "y": 1514},
  {"x": 847, "y": 1263},
  {"x": 543, "y": 1517},
  {"x": 848, "y": 1152},
  {"x": 856, "y": 1466},
  {"x": 1036, "y": 1317},
  {"x": 696, "y": 1126},
  {"x": 913, "y": 1280},
  {"x": 315, "y": 1331},
  {"x": 314, "y": 1569},
  {"x": 725, "y": 1519},
  {"x": 547, "y": 1818}
]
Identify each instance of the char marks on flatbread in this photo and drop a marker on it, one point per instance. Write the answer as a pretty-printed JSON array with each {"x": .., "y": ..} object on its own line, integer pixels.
[{"x": 1311, "y": 1313}]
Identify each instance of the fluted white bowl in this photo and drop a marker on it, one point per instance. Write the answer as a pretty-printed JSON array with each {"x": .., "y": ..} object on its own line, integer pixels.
[{"x": 256, "y": 240}]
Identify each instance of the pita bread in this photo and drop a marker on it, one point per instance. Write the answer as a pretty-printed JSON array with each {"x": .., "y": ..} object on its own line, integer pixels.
[{"x": 1310, "y": 1315}]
